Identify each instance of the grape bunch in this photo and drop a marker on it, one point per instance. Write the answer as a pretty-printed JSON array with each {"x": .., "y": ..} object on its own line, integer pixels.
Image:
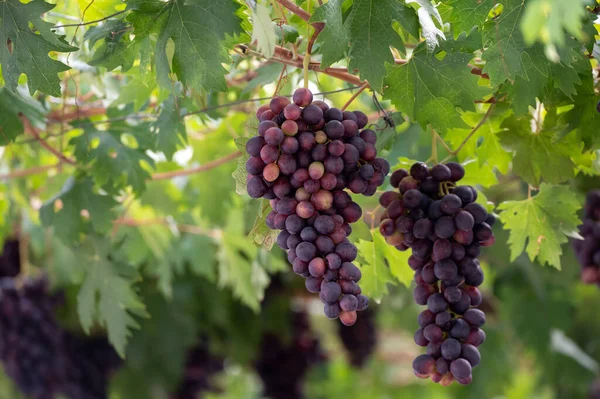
[
  {"x": 304, "y": 156},
  {"x": 588, "y": 249},
  {"x": 282, "y": 365},
  {"x": 360, "y": 340},
  {"x": 43, "y": 359},
  {"x": 200, "y": 367},
  {"x": 445, "y": 229}
]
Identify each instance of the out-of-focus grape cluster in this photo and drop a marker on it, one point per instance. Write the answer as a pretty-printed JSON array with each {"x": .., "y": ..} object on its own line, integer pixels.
[{"x": 588, "y": 249}]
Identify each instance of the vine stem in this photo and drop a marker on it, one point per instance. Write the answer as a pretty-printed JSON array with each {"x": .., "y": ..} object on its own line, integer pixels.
[
  {"x": 27, "y": 172},
  {"x": 472, "y": 133},
  {"x": 91, "y": 22},
  {"x": 360, "y": 90},
  {"x": 201, "y": 168},
  {"x": 295, "y": 9},
  {"x": 434, "y": 153},
  {"x": 44, "y": 143}
]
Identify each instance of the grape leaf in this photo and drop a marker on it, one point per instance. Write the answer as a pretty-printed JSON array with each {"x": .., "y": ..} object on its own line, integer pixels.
[
  {"x": 376, "y": 261},
  {"x": 238, "y": 268},
  {"x": 97, "y": 9},
  {"x": 584, "y": 116},
  {"x": 240, "y": 175},
  {"x": 263, "y": 31},
  {"x": 67, "y": 216},
  {"x": 429, "y": 90},
  {"x": 26, "y": 41},
  {"x": 114, "y": 164},
  {"x": 11, "y": 106},
  {"x": 261, "y": 235},
  {"x": 541, "y": 224},
  {"x": 189, "y": 246},
  {"x": 372, "y": 35},
  {"x": 170, "y": 128},
  {"x": 197, "y": 29},
  {"x": 107, "y": 297},
  {"x": 539, "y": 155},
  {"x": 547, "y": 20},
  {"x": 335, "y": 37},
  {"x": 468, "y": 13},
  {"x": 117, "y": 48}
]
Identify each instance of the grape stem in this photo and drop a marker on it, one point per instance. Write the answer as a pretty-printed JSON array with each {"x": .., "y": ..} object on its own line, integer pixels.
[
  {"x": 360, "y": 90},
  {"x": 472, "y": 133},
  {"x": 35, "y": 133},
  {"x": 434, "y": 153},
  {"x": 201, "y": 168},
  {"x": 91, "y": 22}
]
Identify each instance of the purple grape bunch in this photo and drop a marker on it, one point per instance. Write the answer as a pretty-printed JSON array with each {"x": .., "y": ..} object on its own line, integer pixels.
[
  {"x": 588, "y": 249},
  {"x": 445, "y": 229},
  {"x": 304, "y": 156}
]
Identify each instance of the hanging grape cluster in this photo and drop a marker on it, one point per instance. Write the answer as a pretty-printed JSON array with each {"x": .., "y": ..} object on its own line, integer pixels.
[
  {"x": 282, "y": 365},
  {"x": 588, "y": 249},
  {"x": 360, "y": 340},
  {"x": 303, "y": 158},
  {"x": 200, "y": 367},
  {"x": 43, "y": 359},
  {"x": 445, "y": 229}
]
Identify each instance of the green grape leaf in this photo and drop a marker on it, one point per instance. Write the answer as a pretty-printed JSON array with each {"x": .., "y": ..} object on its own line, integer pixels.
[
  {"x": 261, "y": 235},
  {"x": 116, "y": 48},
  {"x": 198, "y": 30},
  {"x": 11, "y": 107},
  {"x": 137, "y": 91},
  {"x": 387, "y": 135},
  {"x": 375, "y": 266},
  {"x": 25, "y": 41},
  {"x": 289, "y": 35},
  {"x": 238, "y": 268},
  {"x": 335, "y": 37},
  {"x": 547, "y": 20},
  {"x": 539, "y": 155},
  {"x": 477, "y": 174},
  {"x": 170, "y": 128},
  {"x": 78, "y": 209},
  {"x": 541, "y": 224},
  {"x": 189, "y": 246},
  {"x": 467, "y": 13},
  {"x": 263, "y": 31},
  {"x": 98, "y": 9},
  {"x": 114, "y": 164},
  {"x": 584, "y": 116},
  {"x": 107, "y": 297},
  {"x": 372, "y": 34},
  {"x": 429, "y": 90},
  {"x": 240, "y": 175}
]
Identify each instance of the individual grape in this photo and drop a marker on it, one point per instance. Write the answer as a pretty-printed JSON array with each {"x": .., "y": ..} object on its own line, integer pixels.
[
  {"x": 261, "y": 109},
  {"x": 421, "y": 249},
  {"x": 471, "y": 354},
  {"x": 306, "y": 251},
  {"x": 478, "y": 211},
  {"x": 348, "y": 318},
  {"x": 419, "y": 338},
  {"x": 351, "y": 213},
  {"x": 441, "y": 173},
  {"x": 302, "y": 97},
  {"x": 333, "y": 114},
  {"x": 428, "y": 273},
  {"x": 361, "y": 119},
  {"x": 464, "y": 237},
  {"x": 269, "y": 154},
  {"x": 294, "y": 223},
  {"x": 435, "y": 211},
  {"x": 255, "y": 165},
  {"x": 382, "y": 165},
  {"x": 430, "y": 186},
  {"x": 451, "y": 349},
  {"x": 254, "y": 145},
  {"x": 300, "y": 267},
  {"x": 266, "y": 116},
  {"x": 456, "y": 170},
  {"x": 442, "y": 366},
  {"x": 321, "y": 137},
  {"x": 274, "y": 136},
  {"x": 408, "y": 183},
  {"x": 474, "y": 295},
  {"x": 423, "y": 365},
  {"x": 350, "y": 128},
  {"x": 475, "y": 279},
  {"x": 366, "y": 172},
  {"x": 370, "y": 152},
  {"x": 279, "y": 221},
  {"x": 483, "y": 232},
  {"x": 446, "y": 269},
  {"x": 324, "y": 224},
  {"x": 423, "y": 228},
  {"x": 286, "y": 206},
  {"x": 442, "y": 248},
  {"x": 349, "y": 271},
  {"x": 350, "y": 155},
  {"x": 397, "y": 177},
  {"x": 307, "y": 141},
  {"x": 271, "y": 172},
  {"x": 415, "y": 263},
  {"x": 443, "y": 320},
  {"x": 444, "y": 227},
  {"x": 334, "y": 165},
  {"x": 322, "y": 200},
  {"x": 460, "y": 368},
  {"x": 452, "y": 294},
  {"x": 395, "y": 210},
  {"x": 434, "y": 348},
  {"x": 357, "y": 185},
  {"x": 460, "y": 329},
  {"x": 282, "y": 187},
  {"x": 282, "y": 238},
  {"x": 369, "y": 136},
  {"x": 436, "y": 303},
  {"x": 292, "y": 112},
  {"x": 387, "y": 198},
  {"x": 278, "y": 104},
  {"x": 432, "y": 333},
  {"x": 395, "y": 239},
  {"x": 289, "y": 128},
  {"x": 363, "y": 302},
  {"x": 476, "y": 337},
  {"x": 473, "y": 250},
  {"x": 317, "y": 267},
  {"x": 256, "y": 187},
  {"x": 328, "y": 181},
  {"x": 387, "y": 227},
  {"x": 426, "y": 318},
  {"x": 412, "y": 198},
  {"x": 349, "y": 303},
  {"x": 462, "y": 305},
  {"x": 464, "y": 220},
  {"x": 313, "y": 284},
  {"x": 293, "y": 241},
  {"x": 325, "y": 245},
  {"x": 475, "y": 317},
  {"x": 450, "y": 204},
  {"x": 334, "y": 129},
  {"x": 419, "y": 171},
  {"x": 319, "y": 152},
  {"x": 332, "y": 310},
  {"x": 316, "y": 170},
  {"x": 465, "y": 193},
  {"x": 491, "y": 219},
  {"x": 422, "y": 293}
]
